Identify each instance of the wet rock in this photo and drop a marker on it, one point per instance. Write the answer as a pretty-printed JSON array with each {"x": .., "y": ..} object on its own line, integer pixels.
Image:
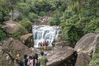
[
  {"x": 10, "y": 26},
  {"x": 83, "y": 60},
  {"x": 60, "y": 54},
  {"x": 87, "y": 44}
]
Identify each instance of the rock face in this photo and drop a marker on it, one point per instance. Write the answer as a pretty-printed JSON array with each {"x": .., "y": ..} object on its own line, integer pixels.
[
  {"x": 61, "y": 54},
  {"x": 27, "y": 39},
  {"x": 87, "y": 43},
  {"x": 85, "y": 47},
  {"x": 10, "y": 26},
  {"x": 83, "y": 60},
  {"x": 15, "y": 50}
]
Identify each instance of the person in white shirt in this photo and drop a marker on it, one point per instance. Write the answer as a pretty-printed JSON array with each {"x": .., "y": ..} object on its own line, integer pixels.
[{"x": 30, "y": 61}]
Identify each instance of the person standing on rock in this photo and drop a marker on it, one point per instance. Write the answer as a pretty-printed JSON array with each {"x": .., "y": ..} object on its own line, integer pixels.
[
  {"x": 45, "y": 45},
  {"x": 25, "y": 63},
  {"x": 36, "y": 60},
  {"x": 30, "y": 61},
  {"x": 42, "y": 60},
  {"x": 41, "y": 45}
]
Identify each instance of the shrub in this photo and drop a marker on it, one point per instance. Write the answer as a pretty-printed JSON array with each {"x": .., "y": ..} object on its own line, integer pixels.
[
  {"x": 16, "y": 35},
  {"x": 54, "y": 21},
  {"x": 24, "y": 8},
  {"x": 92, "y": 25},
  {"x": 1, "y": 16},
  {"x": 3, "y": 35},
  {"x": 95, "y": 58},
  {"x": 4, "y": 16},
  {"x": 97, "y": 31},
  {"x": 72, "y": 30},
  {"x": 20, "y": 31},
  {"x": 26, "y": 23},
  {"x": 42, "y": 13},
  {"x": 32, "y": 16}
]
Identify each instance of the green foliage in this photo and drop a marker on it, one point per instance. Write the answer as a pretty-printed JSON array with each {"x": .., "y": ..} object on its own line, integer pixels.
[
  {"x": 92, "y": 25},
  {"x": 23, "y": 8},
  {"x": 42, "y": 13},
  {"x": 26, "y": 24},
  {"x": 79, "y": 19},
  {"x": 54, "y": 21},
  {"x": 32, "y": 16},
  {"x": 3, "y": 35},
  {"x": 37, "y": 6},
  {"x": 16, "y": 35},
  {"x": 4, "y": 10},
  {"x": 1, "y": 15},
  {"x": 75, "y": 18},
  {"x": 71, "y": 30},
  {"x": 30, "y": 8},
  {"x": 58, "y": 4},
  {"x": 97, "y": 31},
  {"x": 95, "y": 58},
  {"x": 20, "y": 31}
]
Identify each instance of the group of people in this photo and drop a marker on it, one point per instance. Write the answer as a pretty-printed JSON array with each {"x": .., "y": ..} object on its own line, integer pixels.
[
  {"x": 43, "y": 45},
  {"x": 34, "y": 60}
]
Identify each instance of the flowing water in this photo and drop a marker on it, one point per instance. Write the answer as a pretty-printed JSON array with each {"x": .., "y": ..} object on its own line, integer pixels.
[{"x": 44, "y": 33}]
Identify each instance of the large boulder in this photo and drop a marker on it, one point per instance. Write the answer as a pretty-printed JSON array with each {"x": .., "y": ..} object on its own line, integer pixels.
[
  {"x": 87, "y": 44},
  {"x": 83, "y": 60},
  {"x": 15, "y": 49},
  {"x": 10, "y": 26},
  {"x": 60, "y": 54},
  {"x": 85, "y": 47}
]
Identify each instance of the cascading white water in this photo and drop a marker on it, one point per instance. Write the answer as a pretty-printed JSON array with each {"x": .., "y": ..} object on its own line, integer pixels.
[{"x": 44, "y": 33}]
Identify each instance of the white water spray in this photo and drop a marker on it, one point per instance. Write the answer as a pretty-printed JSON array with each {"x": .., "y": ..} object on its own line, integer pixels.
[{"x": 44, "y": 33}]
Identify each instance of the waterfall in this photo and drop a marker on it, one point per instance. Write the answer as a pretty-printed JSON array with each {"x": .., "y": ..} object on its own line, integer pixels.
[{"x": 44, "y": 33}]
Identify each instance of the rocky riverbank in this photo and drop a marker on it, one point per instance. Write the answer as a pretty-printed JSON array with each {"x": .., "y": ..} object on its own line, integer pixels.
[{"x": 13, "y": 51}]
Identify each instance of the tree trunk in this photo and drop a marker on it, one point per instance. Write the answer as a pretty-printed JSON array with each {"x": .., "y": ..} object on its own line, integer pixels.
[{"x": 80, "y": 3}]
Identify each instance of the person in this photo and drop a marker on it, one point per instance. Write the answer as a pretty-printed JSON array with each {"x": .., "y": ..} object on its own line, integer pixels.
[
  {"x": 53, "y": 45},
  {"x": 42, "y": 60},
  {"x": 25, "y": 62},
  {"x": 41, "y": 45},
  {"x": 30, "y": 61},
  {"x": 36, "y": 60},
  {"x": 46, "y": 43},
  {"x": 33, "y": 58}
]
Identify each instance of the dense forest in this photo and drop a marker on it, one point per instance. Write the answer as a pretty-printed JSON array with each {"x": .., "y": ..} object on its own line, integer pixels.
[{"x": 75, "y": 17}]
